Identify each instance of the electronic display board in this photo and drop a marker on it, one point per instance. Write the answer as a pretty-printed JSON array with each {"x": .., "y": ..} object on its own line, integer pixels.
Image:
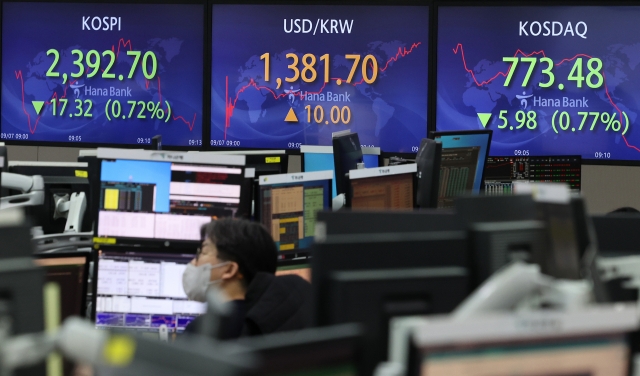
[
  {"x": 554, "y": 80},
  {"x": 286, "y": 76},
  {"x": 99, "y": 73}
]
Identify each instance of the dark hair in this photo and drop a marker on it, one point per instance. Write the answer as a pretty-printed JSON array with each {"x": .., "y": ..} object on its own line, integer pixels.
[{"x": 247, "y": 243}]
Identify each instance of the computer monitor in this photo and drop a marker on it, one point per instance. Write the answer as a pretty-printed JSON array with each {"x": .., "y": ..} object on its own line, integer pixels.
[
  {"x": 473, "y": 209},
  {"x": 501, "y": 172},
  {"x": 345, "y": 222},
  {"x": 268, "y": 163},
  {"x": 496, "y": 244},
  {"x": 373, "y": 297},
  {"x": 464, "y": 155},
  {"x": 163, "y": 197},
  {"x": 347, "y": 154},
  {"x": 589, "y": 341},
  {"x": 12, "y": 239},
  {"x": 141, "y": 289},
  {"x": 466, "y": 76},
  {"x": 382, "y": 251},
  {"x": 288, "y": 205},
  {"x": 317, "y": 351},
  {"x": 70, "y": 270},
  {"x": 428, "y": 160},
  {"x": 258, "y": 163},
  {"x": 564, "y": 227},
  {"x": 390, "y": 187},
  {"x": 557, "y": 169},
  {"x": 249, "y": 109},
  {"x": 616, "y": 234},
  {"x": 119, "y": 98},
  {"x": 320, "y": 158}
]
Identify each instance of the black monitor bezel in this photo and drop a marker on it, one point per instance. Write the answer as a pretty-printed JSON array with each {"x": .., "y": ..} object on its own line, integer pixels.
[
  {"x": 434, "y": 183},
  {"x": 342, "y": 181}
]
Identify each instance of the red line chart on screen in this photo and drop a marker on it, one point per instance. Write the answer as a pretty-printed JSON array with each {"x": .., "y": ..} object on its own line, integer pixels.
[
  {"x": 459, "y": 48},
  {"x": 122, "y": 43},
  {"x": 230, "y": 103}
]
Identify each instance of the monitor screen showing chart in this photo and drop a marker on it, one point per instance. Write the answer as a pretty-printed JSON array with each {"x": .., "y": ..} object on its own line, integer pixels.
[
  {"x": 158, "y": 200},
  {"x": 464, "y": 156},
  {"x": 141, "y": 291},
  {"x": 325, "y": 69},
  {"x": 501, "y": 172},
  {"x": 548, "y": 80},
  {"x": 383, "y": 192},
  {"x": 102, "y": 73},
  {"x": 288, "y": 206}
]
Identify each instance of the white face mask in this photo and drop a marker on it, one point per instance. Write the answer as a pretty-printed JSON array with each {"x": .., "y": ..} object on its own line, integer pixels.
[{"x": 196, "y": 280}]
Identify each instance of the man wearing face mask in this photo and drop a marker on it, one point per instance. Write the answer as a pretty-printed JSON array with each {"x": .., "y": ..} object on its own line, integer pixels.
[{"x": 239, "y": 258}]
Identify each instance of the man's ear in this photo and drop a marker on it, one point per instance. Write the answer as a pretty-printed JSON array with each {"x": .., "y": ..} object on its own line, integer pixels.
[{"x": 231, "y": 270}]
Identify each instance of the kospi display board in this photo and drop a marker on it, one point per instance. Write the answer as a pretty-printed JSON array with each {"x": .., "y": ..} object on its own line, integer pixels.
[
  {"x": 285, "y": 76},
  {"x": 554, "y": 80},
  {"x": 98, "y": 73}
]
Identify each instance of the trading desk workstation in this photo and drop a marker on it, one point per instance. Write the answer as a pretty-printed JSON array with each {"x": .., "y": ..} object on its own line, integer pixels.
[{"x": 437, "y": 209}]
